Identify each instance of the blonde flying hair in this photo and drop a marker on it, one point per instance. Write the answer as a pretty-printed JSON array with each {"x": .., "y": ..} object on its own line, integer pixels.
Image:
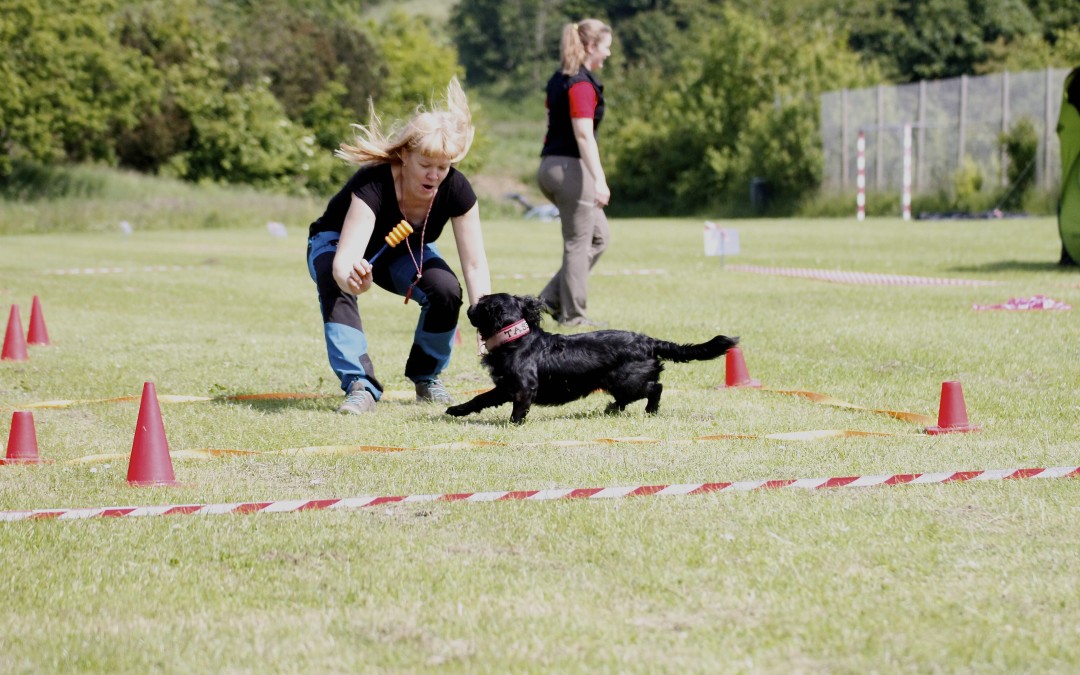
[
  {"x": 577, "y": 36},
  {"x": 443, "y": 132}
]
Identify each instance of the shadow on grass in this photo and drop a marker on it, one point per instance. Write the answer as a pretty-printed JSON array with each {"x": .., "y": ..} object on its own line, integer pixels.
[
  {"x": 313, "y": 402},
  {"x": 1018, "y": 266},
  {"x": 547, "y": 414}
]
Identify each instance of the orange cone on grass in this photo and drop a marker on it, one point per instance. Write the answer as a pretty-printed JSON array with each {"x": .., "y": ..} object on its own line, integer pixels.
[
  {"x": 22, "y": 445},
  {"x": 14, "y": 342},
  {"x": 38, "y": 334},
  {"x": 150, "y": 463},
  {"x": 952, "y": 412},
  {"x": 735, "y": 371}
]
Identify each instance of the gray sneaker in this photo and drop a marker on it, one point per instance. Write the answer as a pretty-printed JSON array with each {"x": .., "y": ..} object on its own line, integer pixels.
[
  {"x": 433, "y": 391},
  {"x": 358, "y": 401}
]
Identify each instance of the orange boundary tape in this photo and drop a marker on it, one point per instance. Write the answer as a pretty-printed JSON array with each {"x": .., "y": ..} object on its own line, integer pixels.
[
  {"x": 825, "y": 399},
  {"x": 209, "y": 453},
  {"x": 328, "y": 450},
  {"x": 178, "y": 398}
]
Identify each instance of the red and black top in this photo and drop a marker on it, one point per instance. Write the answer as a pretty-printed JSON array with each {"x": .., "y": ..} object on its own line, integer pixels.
[{"x": 579, "y": 96}]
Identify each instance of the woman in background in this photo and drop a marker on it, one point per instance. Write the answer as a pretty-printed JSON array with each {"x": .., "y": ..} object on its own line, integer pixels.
[{"x": 570, "y": 173}]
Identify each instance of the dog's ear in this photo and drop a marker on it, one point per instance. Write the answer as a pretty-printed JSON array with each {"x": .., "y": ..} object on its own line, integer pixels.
[
  {"x": 480, "y": 315},
  {"x": 530, "y": 310}
]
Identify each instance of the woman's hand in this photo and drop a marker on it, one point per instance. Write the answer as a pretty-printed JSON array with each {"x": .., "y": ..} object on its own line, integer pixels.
[
  {"x": 352, "y": 271},
  {"x": 355, "y": 278},
  {"x": 603, "y": 193},
  {"x": 590, "y": 157}
]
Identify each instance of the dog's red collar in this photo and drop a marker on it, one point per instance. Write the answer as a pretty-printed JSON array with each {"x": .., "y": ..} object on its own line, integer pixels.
[{"x": 507, "y": 334}]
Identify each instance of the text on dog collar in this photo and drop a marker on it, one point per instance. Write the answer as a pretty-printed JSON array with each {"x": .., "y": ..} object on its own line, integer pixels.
[{"x": 507, "y": 334}]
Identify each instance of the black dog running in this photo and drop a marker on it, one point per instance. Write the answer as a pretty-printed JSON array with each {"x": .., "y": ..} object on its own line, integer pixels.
[{"x": 529, "y": 365}]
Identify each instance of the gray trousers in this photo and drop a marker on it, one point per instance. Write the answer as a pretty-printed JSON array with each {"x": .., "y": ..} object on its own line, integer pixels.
[{"x": 569, "y": 185}]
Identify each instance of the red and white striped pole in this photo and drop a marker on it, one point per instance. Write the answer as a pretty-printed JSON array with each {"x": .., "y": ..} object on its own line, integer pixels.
[
  {"x": 905, "y": 194},
  {"x": 860, "y": 176}
]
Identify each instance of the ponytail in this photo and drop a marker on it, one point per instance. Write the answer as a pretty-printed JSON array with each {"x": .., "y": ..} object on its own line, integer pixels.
[{"x": 575, "y": 38}]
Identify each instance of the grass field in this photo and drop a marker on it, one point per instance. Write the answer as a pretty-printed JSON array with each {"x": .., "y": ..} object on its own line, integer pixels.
[{"x": 939, "y": 578}]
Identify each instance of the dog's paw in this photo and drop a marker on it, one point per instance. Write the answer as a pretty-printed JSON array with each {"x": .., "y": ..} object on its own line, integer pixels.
[{"x": 457, "y": 410}]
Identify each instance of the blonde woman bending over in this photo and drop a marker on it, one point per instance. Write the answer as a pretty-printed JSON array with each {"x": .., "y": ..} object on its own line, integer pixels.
[
  {"x": 407, "y": 174},
  {"x": 570, "y": 174}
]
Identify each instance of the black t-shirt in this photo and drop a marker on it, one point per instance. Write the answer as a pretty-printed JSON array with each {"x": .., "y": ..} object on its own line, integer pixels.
[
  {"x": 374, "y": 185},
  {"x": 560, "y": 138}
]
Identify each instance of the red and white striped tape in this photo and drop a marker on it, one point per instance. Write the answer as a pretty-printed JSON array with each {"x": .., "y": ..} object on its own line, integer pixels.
[
  {"x": 291, "y": 506},
  {"x": 865, "y": 278}
]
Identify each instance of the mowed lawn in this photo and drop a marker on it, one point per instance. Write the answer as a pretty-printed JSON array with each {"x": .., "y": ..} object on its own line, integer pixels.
[{"x": 975, "y": 576}]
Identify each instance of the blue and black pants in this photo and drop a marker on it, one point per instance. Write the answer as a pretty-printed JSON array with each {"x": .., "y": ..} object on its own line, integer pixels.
[{"x": 438, "y": 293}]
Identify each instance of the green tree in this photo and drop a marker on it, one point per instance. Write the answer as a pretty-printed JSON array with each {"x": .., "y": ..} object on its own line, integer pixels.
[
  {"x": 300, "y": 51},
  {"x": 68, "y": 86},
  {"x": 743, "y": 104},
  {"x": 245, "y": 137},
  {"x": 929, "y": 39},
  {"x": 185, "y": 43},
  {"x": 1033, "y": 52},
  {"x": 509, "y": 41},
  {"x": 233, "y": 91},
  {"x": 516, "y": 40},
  {"x": 207, "y": 122},
  {"x": 419, "y": 63},
  {"x": 1055, "y": 16},
  {"x": 1067, "y": 47}
]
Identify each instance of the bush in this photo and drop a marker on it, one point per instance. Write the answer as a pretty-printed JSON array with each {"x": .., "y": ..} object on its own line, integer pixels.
[
  {"x": 742, "y": 104},
  {"x": 247, "y": 93},
  {"x": 67, "y": 86},
  {"x": 1021, "y": 145},
  {"x": 246, "y": 137},
  {"x": 967, "y": 183},
  {"x": 32, "y": 181}
]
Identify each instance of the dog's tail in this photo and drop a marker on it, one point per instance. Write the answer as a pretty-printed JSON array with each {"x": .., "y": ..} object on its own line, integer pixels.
[{"x": 705, "y": 351}]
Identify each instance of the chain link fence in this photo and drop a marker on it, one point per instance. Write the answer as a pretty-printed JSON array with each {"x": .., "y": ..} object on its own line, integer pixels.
[{"x": 951, "y": 120}]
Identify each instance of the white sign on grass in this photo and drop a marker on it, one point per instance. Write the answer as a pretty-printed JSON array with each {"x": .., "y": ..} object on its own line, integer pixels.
[{"x": 720, "y": 240}]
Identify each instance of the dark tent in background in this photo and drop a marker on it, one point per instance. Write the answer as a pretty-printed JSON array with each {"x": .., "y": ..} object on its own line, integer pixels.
[{"x": 1068, "y": 130}]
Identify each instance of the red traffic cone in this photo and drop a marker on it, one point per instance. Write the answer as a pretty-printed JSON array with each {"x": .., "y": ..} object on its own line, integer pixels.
[
  {"x": 457, "y": 337},
  {"x": 14, "y": 342},
  {"x": 22, "y": 440},
  {"x": 735, "y": 372},
  {"x": 150, "y": 462},
  {"x": 952, "y": 413},
  {"x": 38, "y": 334}
]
